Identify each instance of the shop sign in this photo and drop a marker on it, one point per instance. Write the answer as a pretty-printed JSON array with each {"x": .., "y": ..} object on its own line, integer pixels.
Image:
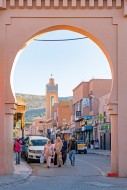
[
  {"x": 88, "y": 117},
  {"x": 100, "y": 117},
  {"x": 105, "y": 127},
  {"x": 89, "y": 122}
]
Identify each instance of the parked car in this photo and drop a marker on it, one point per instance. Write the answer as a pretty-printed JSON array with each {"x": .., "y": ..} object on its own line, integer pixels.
[
  {"x": 34, "y": 147},
  {"x": 81, "y": 147}
]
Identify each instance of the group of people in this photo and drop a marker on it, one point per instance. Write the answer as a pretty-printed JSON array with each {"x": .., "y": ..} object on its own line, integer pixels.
[{"x": 59, "y": 151}]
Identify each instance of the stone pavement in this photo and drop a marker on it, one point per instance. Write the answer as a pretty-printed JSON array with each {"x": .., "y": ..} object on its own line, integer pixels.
[
  {"x": 21, "y": 172},
  {"x": 99, "y": 152}
]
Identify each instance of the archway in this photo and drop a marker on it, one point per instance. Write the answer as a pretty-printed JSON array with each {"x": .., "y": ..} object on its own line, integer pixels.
[
  {"x": 12, "y": 38},
  {"x": 70, "y": 28},
  {"x": 48, "y": 56}
]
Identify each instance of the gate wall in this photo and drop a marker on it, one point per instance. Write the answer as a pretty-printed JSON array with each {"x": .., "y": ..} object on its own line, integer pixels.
[{"x": 103, "y": 21}]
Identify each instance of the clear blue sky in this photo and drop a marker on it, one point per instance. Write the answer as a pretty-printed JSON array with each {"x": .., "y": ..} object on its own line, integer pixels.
[{"x": 70, "y": 62}]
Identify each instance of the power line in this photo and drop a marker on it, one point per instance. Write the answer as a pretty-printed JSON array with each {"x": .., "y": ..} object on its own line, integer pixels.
[{"x": 71, "y": 39}]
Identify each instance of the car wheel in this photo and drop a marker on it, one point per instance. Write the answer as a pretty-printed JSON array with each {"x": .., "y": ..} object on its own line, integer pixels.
[
  {"x": 25, "y": 157},
  {"x": 85, "y": 151},
  {"x": 28, "y": 160}
]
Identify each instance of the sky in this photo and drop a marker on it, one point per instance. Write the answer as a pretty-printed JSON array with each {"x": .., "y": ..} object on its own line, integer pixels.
[{"x": 70, "y": 62}]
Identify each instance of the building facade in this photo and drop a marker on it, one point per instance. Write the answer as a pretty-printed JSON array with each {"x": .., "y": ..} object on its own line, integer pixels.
[
  {"x": 86, "y": 107},
  {"x": 62, "y": 113},
  {"x": 38, "y": 127}
]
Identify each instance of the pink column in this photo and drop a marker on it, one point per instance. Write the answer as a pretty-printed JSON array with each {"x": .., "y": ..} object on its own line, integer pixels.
[
  {"x": 122, "y": 97},
  {"x": 2, "y": 119},
  {"x": 113, "y": 109},
  {"x": 7, "y": 110},
  {"x": 8, "y": 141},
  {"x": 114, "y": 144},
  {"x": 2, "y": 102}
]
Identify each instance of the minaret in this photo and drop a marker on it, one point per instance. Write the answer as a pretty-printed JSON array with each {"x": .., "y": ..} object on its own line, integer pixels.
[{"x": 51, "y": 96}]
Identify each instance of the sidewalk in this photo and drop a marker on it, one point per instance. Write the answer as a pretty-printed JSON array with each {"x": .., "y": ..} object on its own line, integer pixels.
[
  {"x": 99, "y": 152},
  {"x": 20, "y": 174}
]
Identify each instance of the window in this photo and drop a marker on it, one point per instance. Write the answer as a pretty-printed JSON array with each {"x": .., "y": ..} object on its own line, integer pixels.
[
  {"x": 52, "y": 100},
  {"x": 37, "y": 142}
]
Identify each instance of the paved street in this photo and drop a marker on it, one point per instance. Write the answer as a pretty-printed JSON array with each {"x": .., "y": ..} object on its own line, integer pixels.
[{"x": 88, "y": 173}]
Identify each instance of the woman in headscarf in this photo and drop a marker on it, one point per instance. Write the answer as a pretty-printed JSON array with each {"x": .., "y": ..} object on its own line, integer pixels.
[
  {"x": 48, "y": 152},
  {"x": 58, "y": 150},
  {"x": 18, "y": 149}
]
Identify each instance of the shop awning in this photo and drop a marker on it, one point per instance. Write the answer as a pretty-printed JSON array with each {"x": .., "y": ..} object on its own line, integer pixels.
[{"x": 88, "y": 128}]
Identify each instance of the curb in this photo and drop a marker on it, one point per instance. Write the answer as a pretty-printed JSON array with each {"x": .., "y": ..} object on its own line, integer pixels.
[
  {"x": 25, "y": 170},
  {"x": 103, "y": 154}
]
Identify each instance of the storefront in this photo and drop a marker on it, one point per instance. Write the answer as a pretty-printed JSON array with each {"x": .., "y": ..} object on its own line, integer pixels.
[
  {"x": 78, "y": 133},
  {"x": 105, "y": 137},
  {"x": 88, "y": 134}
]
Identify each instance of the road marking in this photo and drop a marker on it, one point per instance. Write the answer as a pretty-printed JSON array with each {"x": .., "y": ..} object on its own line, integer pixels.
[
  {"x": 102, "y": 173},
  {"x": 99, "y": 184}
]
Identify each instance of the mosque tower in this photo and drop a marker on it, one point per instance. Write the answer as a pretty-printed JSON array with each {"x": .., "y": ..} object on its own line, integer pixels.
[{"x": 51, "y": 96}]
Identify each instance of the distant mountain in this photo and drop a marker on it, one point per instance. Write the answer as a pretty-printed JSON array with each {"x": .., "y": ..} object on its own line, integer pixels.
[
  {"x": 36, "y": 104},
  {"x": 32, "y": 101},
  {"x": 32, "y": 114}
]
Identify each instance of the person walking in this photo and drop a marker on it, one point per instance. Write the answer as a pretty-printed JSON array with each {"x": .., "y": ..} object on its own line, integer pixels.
[
  {"x": 48, "y": 152},
  {"x": 92, "y": 144},
  {"x": 72, "y": 147},
  {"x": 64, "y": 151},
  {"x": 58, "y": 151},
  {"x": 18, "y": 149}
]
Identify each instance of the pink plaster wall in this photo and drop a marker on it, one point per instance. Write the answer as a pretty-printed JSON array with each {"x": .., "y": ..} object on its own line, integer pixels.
[{"x": 19, "y": 24}]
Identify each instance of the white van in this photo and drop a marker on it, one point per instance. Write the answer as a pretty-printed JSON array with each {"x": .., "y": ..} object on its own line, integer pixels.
[{"x": 35, "y": 146}]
